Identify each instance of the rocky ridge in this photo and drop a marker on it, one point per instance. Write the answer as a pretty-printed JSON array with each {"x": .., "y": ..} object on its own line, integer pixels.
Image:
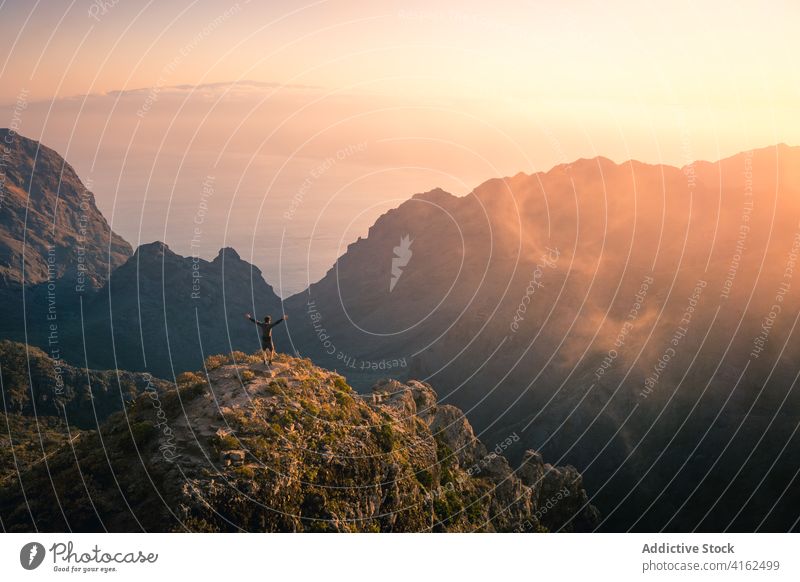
[{"x": 294, "y": 448}]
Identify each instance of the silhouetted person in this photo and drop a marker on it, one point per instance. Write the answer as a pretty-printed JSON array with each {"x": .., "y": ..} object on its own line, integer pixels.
[{"x": 266, "y": 334}]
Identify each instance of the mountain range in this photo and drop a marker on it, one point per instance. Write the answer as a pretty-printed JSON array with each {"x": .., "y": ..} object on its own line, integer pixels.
[
  {"x": 633, "y": 320},
  {"x": 74, "y": 287}
]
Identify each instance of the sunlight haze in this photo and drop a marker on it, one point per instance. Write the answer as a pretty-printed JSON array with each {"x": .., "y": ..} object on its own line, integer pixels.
[{"x": 147, "y": 101}]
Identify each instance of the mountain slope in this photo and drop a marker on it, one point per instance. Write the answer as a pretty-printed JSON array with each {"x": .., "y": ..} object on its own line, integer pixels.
[
  {"x": 47, "y": 404},
  {"x": 50, "y": 227},
  {"x": 56, "y": 248},
  {"x": 164, "y": 313},
  {"x": 294, "y": 449},
  {"x": 544, "y": 304},
  {"x": 35, "y": 385},
  {"x": 610, "y": 313},
  {"x": 84, "y": 298}
]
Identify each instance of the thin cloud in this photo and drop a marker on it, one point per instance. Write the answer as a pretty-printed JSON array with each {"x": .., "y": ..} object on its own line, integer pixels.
[{"x": 220, "y": 86}]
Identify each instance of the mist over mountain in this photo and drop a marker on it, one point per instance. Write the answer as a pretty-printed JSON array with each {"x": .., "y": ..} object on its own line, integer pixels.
[{"x": 634, "y": 320}]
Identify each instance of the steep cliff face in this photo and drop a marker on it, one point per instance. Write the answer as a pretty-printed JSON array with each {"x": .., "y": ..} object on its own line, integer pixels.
[
  {"x": 50, "y": 227},
  {"x": 56, "y": 248},
  {"x": 294, "y": 449}
]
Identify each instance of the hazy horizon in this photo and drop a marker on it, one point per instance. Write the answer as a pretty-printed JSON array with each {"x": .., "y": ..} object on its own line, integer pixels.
[
  {"x": 305, "y": 123},
  {"x": 295, "y": 276}
]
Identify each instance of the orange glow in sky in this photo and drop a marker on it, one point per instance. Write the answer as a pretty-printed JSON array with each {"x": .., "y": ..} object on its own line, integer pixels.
[{"x": 147, "y": 100}]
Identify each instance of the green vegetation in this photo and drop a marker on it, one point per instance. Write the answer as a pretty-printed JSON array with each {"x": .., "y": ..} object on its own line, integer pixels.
[
  {"x": 214, "y": 362},
  {"x": 141, "y": 432},
  {"x": 30, "y": 440},
  {"x": 189, "y": 379},
  {"x": 384, "y": 435},
  {"x": 425, "y": 478},
  {"x": 224, "y": 443},
  {"x": 244, "y": 472},
  {"x": 316, "y": 458},
  {"x": 34, "y": 384},
  {"x": 340, "y": 384}
]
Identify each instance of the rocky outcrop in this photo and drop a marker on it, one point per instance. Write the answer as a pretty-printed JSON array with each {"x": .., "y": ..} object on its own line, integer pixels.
[{"x": 296, "y": 449}]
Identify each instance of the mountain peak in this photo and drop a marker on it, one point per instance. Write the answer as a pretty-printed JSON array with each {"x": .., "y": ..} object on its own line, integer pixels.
[
  {"x": 38, "y": 169},
  {"x": 153, "y": 249},
  {"x": 46, "y": 205},
  {"x": 228, "y": 253},
  {"x": 10, "y": 137},
  {"x": 437, "y": 196}
]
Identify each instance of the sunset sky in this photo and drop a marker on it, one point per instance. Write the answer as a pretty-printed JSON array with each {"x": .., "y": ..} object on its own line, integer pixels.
[{"x": 314, "y": 119}]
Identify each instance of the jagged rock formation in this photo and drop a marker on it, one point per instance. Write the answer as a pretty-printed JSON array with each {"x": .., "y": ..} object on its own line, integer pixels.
[
  {"x": 293, "y": 449},
  {"x": 164, "y": 312},
  {"x": 517, "y": 301}
]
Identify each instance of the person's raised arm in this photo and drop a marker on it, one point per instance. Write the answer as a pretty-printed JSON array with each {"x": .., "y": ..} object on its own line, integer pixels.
[
  {"x": 281, "y": 320},
  {"x": 250, "y": 317}
]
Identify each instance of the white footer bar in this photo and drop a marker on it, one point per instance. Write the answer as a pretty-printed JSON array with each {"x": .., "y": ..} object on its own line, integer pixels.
[{"x": 390, "y": 557}]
